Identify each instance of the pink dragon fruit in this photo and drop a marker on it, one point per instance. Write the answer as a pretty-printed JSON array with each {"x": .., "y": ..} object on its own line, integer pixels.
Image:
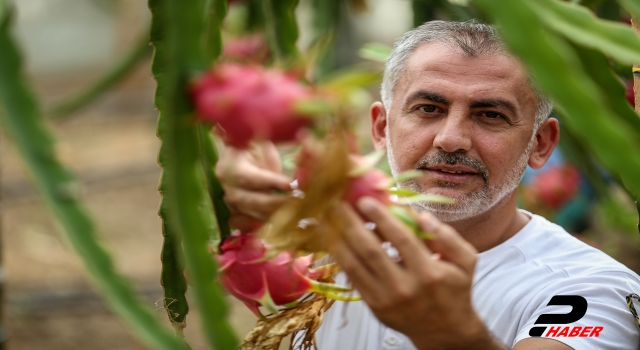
[
  {"x": 258, "y": 280},
  {"x": 373, "y": 183},
  {"x": 249, "y": 102}
]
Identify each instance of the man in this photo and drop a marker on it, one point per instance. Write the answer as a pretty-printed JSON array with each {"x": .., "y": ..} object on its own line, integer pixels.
[{"x": 457, "y": 105}]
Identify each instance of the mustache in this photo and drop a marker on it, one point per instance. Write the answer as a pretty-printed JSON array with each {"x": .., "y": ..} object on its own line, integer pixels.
[{"x": 455, "y": 158}]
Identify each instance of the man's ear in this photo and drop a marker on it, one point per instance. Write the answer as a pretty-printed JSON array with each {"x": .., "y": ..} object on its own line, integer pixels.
[
  {"x": 546, "y": 140},
  {"x": 378, "y": 115}
]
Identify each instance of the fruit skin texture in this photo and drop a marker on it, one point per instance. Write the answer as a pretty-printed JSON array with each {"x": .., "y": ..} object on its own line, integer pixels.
[
  {"x": 257, "y": 281},
  {"x": 373, "y": 183},
  {"x": 248, "y": 103},
  {"x": 557, "y": 185}
]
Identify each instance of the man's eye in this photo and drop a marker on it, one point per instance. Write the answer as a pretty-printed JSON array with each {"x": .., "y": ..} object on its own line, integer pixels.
[
  {"x": 492, "y": 115},
  {"x": 428, "y": 108}
]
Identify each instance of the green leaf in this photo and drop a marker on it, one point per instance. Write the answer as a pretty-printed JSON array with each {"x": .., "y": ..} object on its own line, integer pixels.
[
  {"x": 406, "y": 218},
  {"x": 282, "y": 28},
  {"x": 172, "y": 277},
  {"x": 327, "y": 15},
  {"x": 113, "y": 75},
  {"x": 313, "y": 107},
  {"x": 215, "y": 11},
  {"x": 611, "y": 88},
  {"x": 23, "y": 122},
  {"x": 576, "y": 153},
  {"x": 176, "y": 34},
  {"x": 209, "y": 158},
  {"x": 632, "y": 6},
  {"x": 638, "y": 208},
  {"x": 349, "y": 79},
  {"x": 580, "y": 25},
  {"x": 402, "y": 192},
  {"x": 377, "y": 52}
]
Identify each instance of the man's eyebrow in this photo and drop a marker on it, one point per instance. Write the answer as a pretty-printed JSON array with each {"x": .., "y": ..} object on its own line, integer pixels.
[
  {"x": 494, "y": 103},
  {"x": 427, "y": 95}
]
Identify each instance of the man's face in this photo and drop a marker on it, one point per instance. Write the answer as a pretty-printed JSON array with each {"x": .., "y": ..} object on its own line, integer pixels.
[{"x": 467, "y": 121}]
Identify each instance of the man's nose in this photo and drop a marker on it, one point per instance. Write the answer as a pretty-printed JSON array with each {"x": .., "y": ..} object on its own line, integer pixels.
[{"x": 454, "y": 133}]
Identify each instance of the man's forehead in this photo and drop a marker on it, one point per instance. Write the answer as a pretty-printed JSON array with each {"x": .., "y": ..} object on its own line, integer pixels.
[
  {"x": 438, "y": 62},
  {"x": 436, "y": 55}
]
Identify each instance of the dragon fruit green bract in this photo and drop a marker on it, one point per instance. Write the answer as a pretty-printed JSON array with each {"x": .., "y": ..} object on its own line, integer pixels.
[
  {"x": 257, "y": 280},
  {"x": 250, "y": 102}
]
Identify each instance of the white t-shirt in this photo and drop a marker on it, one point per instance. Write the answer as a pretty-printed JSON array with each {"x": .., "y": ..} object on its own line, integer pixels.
[{"x": 513, "y": 283}]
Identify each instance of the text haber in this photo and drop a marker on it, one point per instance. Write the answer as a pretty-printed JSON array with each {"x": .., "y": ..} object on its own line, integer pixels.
[{"x": 573, "y": 331}]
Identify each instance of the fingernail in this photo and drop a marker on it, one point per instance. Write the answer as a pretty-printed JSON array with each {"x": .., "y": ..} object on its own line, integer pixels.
[{"x": 366, "y": 204}]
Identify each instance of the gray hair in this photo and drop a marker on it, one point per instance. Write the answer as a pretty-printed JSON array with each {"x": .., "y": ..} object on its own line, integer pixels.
[{"x": 471, "y": 37}]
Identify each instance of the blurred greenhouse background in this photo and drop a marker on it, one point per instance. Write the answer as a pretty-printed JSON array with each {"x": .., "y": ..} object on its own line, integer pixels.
[{"x": 112, "y": 147}]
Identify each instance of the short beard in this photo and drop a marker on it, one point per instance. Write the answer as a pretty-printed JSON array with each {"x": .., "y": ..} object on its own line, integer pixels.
[{"x": 470, "y": 204}]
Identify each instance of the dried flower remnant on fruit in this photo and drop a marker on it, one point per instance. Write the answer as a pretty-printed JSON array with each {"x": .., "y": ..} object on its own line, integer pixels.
[
  {"x": 248, "y": 103},
  {"x": 322, "y": 171},
  {"x": 305, "y": 317}
]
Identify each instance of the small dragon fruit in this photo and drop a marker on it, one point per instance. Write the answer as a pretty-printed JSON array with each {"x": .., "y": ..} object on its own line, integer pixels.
[
  {"x": 249, "y": 274},
  {"x": 249, "y": 102},
  {"x": 249, "y": 48}
]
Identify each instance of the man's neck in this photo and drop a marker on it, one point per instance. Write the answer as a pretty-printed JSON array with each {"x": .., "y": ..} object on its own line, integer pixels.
[{"x": 493, "y": 227}]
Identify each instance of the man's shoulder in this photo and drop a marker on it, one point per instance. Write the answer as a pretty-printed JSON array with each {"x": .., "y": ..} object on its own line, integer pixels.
[
  {"x": 545, "y": 261},
  {"x": 552, "y": 247}
]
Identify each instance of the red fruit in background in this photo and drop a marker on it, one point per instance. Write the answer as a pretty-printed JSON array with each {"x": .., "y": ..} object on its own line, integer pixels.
[
  {"x": 250, "y": 48},
  {"x": 631, "y": 97},
  {"x": 373, "y": 183},
  {"x": 557, "y": 185},
  {"x": 249, "y": 102}
]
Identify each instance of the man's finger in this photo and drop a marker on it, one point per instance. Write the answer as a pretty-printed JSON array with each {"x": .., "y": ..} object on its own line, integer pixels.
[
  {"x": 360, "y": 276},
  {"x": 255, "y": 204},
  {"x": 367, "y": 247},
  {"x": 249, "y": 177},
  {"x": 448, "y": 242},
  {"x": 413, "y": 252}
]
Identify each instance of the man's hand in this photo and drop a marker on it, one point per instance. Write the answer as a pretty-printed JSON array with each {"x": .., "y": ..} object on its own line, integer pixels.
[
  {"x": 428, "y": 295},
  {"x": 253, "y": 183}
]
